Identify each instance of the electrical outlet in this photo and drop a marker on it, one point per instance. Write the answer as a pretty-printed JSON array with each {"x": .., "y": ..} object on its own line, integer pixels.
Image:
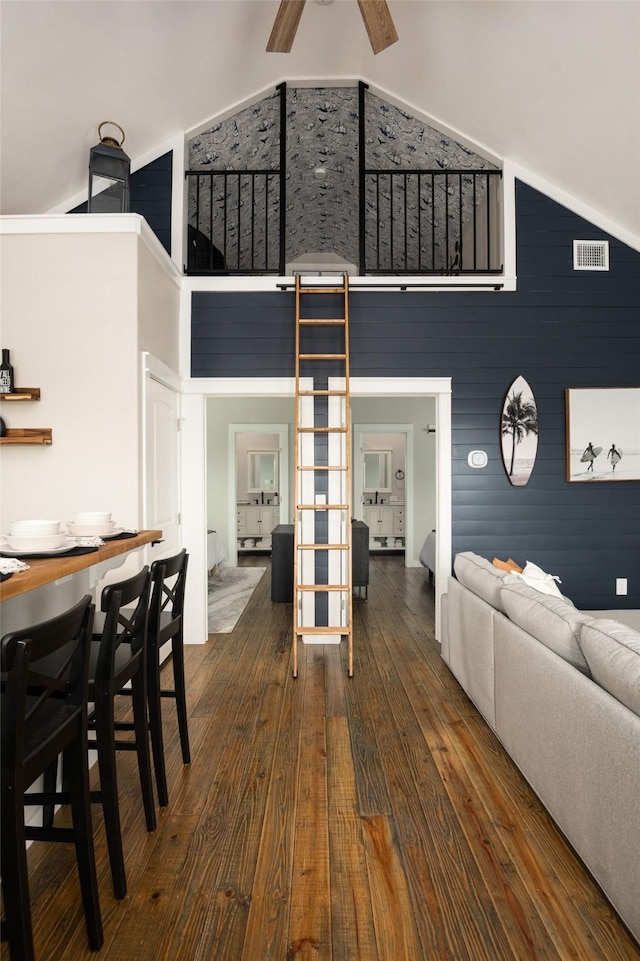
[{"x": 621, "y": 585}]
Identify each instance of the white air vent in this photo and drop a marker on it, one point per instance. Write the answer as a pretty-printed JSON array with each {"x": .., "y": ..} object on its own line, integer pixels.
[{"x": 590, "y": 254}]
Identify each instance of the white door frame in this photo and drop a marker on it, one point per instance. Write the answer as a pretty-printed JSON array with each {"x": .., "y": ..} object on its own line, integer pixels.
[
  {"x": 194, "y": 500},
  {"x": 153, "y": 369}
]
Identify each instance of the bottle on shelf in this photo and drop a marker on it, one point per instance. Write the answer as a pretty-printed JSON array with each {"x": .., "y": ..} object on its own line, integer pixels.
[{"x": 6, "y": 374}]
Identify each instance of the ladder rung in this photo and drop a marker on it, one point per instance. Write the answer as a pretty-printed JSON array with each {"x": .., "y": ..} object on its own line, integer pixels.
[
  {"x": 322, "y": 507},
  {"x": 322, "y": 547},
  {"x": 322, "y": 393},
  {"x": 322, "y": 430},
  {"x": 322, "y": 356},
  {"x": 323, "y": 467},
  {"x": 322, "y": 321},
  {"x": 342, "y": 630},
  {"x": 322, "y": 290},
  {"x": 322, "y": 588}
]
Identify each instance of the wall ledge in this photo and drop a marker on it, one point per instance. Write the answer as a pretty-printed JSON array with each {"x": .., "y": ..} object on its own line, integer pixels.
[{"x": 92, "y": 224}]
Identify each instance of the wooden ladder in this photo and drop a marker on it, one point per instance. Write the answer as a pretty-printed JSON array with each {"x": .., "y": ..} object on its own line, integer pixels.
[{"x": 322, "y": 578}]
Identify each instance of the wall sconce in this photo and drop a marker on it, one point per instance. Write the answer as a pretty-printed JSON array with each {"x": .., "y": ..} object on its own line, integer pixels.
[{"x": 109, "y": 172}]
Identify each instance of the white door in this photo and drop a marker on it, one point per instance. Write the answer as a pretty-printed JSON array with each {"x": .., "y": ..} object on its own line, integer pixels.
[{"x": 161, "y": 463}]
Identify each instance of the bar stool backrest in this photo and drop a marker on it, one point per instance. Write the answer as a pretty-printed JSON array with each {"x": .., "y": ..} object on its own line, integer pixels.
[
  {"x": 126, "y": 606},
  {"x": 167, "y": 601},
  {"x": 45, "y": 676}
]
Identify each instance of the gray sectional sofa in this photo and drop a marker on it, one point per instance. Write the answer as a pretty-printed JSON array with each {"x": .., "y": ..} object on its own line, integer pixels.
[{"x": 561, "y": 689}]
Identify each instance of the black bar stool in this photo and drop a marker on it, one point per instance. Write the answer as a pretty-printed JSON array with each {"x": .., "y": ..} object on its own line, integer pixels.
[
  {"x": 119, "y": 659},
  {"x": 44, "y": 713},
  {"x": 169, "y": 576}
]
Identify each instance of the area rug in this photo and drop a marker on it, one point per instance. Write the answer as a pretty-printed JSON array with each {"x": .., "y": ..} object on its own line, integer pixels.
[{"x": 230, "y": 589}]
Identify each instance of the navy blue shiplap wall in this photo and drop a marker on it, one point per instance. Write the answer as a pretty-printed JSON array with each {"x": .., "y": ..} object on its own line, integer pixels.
[
  {"x": 150, "y": 196},
  {"x": 561, "y": 328}
]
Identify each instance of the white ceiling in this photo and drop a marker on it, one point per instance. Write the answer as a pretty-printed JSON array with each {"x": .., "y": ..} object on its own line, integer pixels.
[{"x": 552, "y": 85}]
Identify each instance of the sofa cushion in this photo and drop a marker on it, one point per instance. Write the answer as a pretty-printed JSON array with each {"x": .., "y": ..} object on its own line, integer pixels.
[
  {"x": 480, "y": 576},
  {"x": 553, "y": 621},
  {"x": 612, "y": 651}
]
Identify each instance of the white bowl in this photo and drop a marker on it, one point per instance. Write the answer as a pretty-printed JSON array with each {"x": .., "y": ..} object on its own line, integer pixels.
[
  {"x": 36, "y": 527},
  {"x": 37, "y": 542},
  {"x": 92, "y": 517},
  {"x": 91, "y": 530}
]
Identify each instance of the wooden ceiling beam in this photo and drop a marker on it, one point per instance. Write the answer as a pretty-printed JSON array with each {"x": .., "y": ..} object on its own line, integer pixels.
[
  {"x": 380, "y": 26},
  {"x": 285, "y": 26}
]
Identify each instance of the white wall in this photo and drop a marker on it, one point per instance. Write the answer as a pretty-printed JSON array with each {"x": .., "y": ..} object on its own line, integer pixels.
[
  {"x": 69, "y": 315},
  {"x": 80, "y": 298},
  {"x": 158, "y": 305}
]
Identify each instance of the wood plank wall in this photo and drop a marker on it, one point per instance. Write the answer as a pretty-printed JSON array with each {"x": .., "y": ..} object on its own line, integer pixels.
[{"x": 561, "y": 328}]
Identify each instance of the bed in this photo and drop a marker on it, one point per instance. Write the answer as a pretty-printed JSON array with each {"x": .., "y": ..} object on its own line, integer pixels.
[
  {"x": 428, "y": 554},
  {"x": 216, "y": 551}
]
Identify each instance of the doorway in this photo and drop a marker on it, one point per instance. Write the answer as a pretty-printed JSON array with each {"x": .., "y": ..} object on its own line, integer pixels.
[
  {"x": 198, "y": 469},
  {"x": 270, "y": 437},
  {"x": 383, "y": 485}
]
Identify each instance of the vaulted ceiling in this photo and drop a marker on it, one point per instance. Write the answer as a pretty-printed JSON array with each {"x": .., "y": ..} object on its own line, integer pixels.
[{"x": 553, "y": 85}]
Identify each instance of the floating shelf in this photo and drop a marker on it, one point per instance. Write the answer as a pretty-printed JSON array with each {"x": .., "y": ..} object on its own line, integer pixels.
[
  {"x": 25, "y": 435},
  {"x": 22, "y": 393}
]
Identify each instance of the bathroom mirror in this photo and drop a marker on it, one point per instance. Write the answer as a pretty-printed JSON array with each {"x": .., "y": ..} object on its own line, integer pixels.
[
  {"x": 377, "y": 470},
  {"x": 263, "y": 470}
]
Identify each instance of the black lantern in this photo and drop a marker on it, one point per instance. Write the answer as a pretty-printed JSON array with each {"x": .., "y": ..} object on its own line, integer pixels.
[{"x": 109, "y": 170}]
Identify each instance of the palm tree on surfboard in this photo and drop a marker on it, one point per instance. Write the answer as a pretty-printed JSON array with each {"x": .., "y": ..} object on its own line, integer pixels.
[{"x": 519, "y": 419}]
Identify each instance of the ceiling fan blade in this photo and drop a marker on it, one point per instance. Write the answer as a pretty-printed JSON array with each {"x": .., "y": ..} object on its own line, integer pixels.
[
  {"x": 380, "y": 26},
  {"x": 285, "y": 26}
]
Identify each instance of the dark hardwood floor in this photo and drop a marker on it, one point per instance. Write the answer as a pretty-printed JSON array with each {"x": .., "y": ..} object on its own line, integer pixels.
[{"x": 367, "y": 819}]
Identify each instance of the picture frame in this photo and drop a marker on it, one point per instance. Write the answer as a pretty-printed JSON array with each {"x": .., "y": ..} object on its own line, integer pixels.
[{"x": 602, "y": 434}]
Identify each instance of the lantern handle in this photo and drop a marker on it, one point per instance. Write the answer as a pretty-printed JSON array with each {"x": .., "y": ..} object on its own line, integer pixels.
[{"x": 106, "y": 140}]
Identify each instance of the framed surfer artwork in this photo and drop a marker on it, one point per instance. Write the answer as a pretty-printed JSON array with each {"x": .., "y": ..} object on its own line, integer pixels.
[{"x": 603, "y": 434}]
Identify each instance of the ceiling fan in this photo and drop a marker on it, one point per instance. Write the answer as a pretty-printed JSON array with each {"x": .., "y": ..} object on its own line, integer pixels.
[{"x": 375, "y": 13}]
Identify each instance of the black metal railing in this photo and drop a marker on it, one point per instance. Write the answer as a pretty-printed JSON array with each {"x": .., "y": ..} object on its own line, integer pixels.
[
  {"x": 234, "y": 222},
  {"x": 444, "y": 222}
]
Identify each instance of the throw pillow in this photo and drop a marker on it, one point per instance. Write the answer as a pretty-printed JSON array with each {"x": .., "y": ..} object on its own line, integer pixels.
[
  {"x": 535, "y": 577},
  {"x": 509, "y": 566},
  {"x": 612, "y": 651}
]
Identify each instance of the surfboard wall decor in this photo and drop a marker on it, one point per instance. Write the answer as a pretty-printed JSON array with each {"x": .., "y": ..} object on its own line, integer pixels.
[{"x": 519, "y": 432}]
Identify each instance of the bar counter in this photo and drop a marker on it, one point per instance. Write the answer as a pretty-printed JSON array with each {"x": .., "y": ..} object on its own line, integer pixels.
[{"x": 46, "y": 570}]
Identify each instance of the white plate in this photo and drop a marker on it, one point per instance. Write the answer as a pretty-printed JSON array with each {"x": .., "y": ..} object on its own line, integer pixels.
[
  {"x": 116, "y": 532},
  {"x": 69, "y": 546}
]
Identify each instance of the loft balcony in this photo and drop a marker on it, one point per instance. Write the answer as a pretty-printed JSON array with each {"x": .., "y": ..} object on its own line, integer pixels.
[{"x": 339, "y": 184}]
